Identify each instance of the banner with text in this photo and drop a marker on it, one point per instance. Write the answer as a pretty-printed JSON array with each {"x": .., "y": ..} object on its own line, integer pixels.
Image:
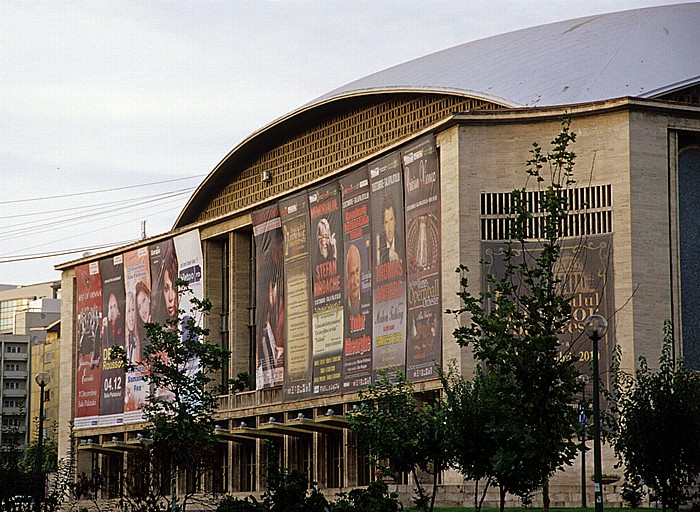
[
  {"x": 586, "y": 277},
  {"x": 294, "y": 213},
  {"x": 327, "y": 324},
  {"x": 137, "y": 278},
  {"x": 423, "y": 292},
  {"x": 88, "y": 342},
  {"x": 112, "y": 374},
  {"x": 357, "y": 238},
  {"x": 269, "y": 285},
  {"x": 389, "y": 278}
]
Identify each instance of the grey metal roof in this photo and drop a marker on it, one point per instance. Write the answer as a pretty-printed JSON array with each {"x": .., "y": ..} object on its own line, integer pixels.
[{"x": 640, "y": 53}]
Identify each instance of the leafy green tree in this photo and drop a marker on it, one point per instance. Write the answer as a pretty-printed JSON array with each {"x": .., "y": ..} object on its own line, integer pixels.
[
  {"x": 12, "y": 480},
  {"x": 651, "y": 417},
  {"x": 513, "y": 330},
  {"x": 402, "y": 434},
  {"x": 49, "y": 453},
  {"x": 182, "y": 399}
]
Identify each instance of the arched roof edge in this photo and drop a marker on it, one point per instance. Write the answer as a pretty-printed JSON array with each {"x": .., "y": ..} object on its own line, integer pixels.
[{"x": 186, "y": 215}]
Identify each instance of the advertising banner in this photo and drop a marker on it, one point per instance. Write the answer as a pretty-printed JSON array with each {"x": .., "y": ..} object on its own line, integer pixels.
[
  {"x": 269, "y": 285},
  {"x": 164, "y": 301},
  {"x": 357, "y": 241},
  {"x": 137, "y": 279},
  {"x": 586, "y": 277},
  {"x": 327, "y": 325},
  {"x": 113, "y": 308},
  {"x": 88, "y": 343},
  {"x": 389, "y": 278},
  {"x": 294, "y": 213},
  {"x": 423, "y": 292}
]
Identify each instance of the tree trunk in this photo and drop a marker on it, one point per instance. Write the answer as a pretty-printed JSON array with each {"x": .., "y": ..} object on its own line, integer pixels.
[
  {"x": 503, "y": 497},
  {"x": 173, "y": 488},
  {"x": 476, "y": 495},
  {"x": 432, "y": 499},
  {"x": 545, "y": 496}
]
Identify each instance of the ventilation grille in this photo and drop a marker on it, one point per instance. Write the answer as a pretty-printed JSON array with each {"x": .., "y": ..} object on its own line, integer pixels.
[
  {"x": 334, "y": 143},
  {"x": 589, "y": 213}
]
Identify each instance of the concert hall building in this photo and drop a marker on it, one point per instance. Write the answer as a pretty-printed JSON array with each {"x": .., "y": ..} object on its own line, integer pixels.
[{"x": 328, "y": 241}]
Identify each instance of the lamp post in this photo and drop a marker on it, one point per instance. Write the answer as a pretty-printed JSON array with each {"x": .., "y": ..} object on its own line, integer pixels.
[
  {"x": 595, "y": 327},
  {"x": 42, "y": 379},
  {"x": 583, "y": 380}
]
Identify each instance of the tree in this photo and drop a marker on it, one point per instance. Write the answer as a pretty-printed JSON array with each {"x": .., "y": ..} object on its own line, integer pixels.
[
  {"x": 651, "y": 415},
  {"x": 181, "y": 402},
  {"x": 401, "y": 433},
  {"x": 513, "y": 330}
]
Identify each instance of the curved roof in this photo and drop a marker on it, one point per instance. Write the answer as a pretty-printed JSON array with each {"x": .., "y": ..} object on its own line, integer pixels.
[{"x": 641, "y": 53}]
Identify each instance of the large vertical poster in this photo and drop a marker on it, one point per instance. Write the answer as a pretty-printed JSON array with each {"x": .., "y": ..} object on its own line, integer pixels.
[
  {"x": 327, "y": 324},
  {"x": 89, "y": 332},
  {"x": 294, "y": 213},
  {"x": 112, "y": 374},
  {"x": 423, "y": 292},
  {"x": 389, "y": 279},
  {"x": 357, "y": 273},
  {"x": 269, "y": 285},
  {"x": 584, "y": 271},
  {"x": 137, "y": 276}
]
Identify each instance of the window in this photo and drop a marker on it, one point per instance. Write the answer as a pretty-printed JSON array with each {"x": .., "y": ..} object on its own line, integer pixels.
[
  {"x": 12, "y": 367},
  {"x": 10, "y": 384},
  {"x": 13, "y": 349}
]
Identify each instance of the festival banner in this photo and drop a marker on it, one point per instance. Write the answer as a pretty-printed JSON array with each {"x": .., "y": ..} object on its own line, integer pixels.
[
  {"x": 294, "y": 213},
  {"x": 585, "y": 271},
  {"x": 88, "y": 344},
  {"x": 423, "y": 291},
  {"x": 357, "y": 241},
  {"x": 137, "y": 279},
  {"x": 113, "y": 308},
  {"x": 269, "y": 285},
  {"x": 327, "y": 324},
  {"x": 389, "y": 278}
]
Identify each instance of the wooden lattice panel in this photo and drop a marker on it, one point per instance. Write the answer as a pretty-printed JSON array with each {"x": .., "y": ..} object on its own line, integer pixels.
[{"x": 334, "y": 143}]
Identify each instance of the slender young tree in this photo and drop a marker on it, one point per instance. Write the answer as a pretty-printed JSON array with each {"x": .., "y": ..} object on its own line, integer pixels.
[
  {"x": 651, "y": 416},
  {"x": 402, "y": 434},
  {"x": 514, "y": 326},
  {"x": 181, "y": 403}
]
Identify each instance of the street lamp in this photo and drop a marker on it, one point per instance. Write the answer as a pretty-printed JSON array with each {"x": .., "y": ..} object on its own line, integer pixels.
[
  {"x": 42, "y": 379},
  {"x": 583, "y": 380},
  {"x": 595, "y": 327}
]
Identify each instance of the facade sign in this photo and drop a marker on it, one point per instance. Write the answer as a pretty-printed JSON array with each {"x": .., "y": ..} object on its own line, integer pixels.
[
  {"x": 112, "y": 374},
  {"x": 117, "y": 296},
  {"x": 88, "y": 343},
  {"x": 269, "y": 285},
  {"x": 423, "y": 242},
  {"x": 357, "y": 273},
  {"x": 584, "y": 270},
  {"x": 137, "y": 278},
  {"x": 327, "y": 324},
  {"x": 389, "y": 278},
  {"x": 294, "y": 213}
]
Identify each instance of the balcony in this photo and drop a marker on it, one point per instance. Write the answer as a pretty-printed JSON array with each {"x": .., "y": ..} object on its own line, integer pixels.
[
  {"x": 14, "y": 393},
  {"x": 16, "y": 374},
  {"x": 11, "y": 356},
  {"x": 13, "y": 411}
]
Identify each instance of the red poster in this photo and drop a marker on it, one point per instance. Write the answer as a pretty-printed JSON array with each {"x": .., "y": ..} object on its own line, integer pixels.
[
  {"x": 357, "y": 274},
  {"x": 88, "y": 344}
]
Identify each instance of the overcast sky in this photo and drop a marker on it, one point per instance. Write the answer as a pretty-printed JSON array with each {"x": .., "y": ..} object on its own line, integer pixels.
[{"x": 143, "y": 98}]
